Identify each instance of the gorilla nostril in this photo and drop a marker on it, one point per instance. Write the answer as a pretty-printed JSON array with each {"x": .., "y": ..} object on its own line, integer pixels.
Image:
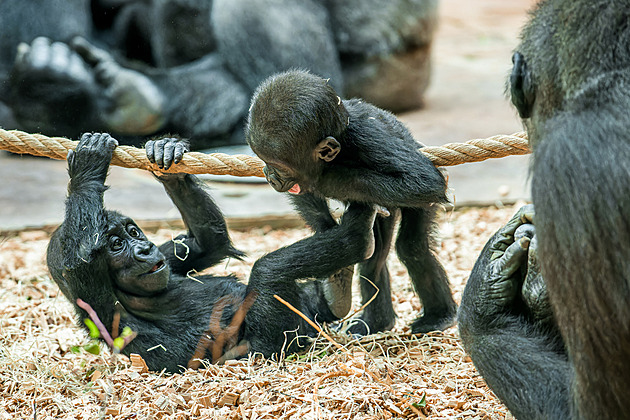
[{"x": 142, "y": 251}]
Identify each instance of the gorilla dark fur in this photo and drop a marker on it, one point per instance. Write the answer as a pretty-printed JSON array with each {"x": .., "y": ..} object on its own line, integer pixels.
[
  {"x": 103, "y": 258},
  {"x": 571, "y": 84},
  {"x": 313, "y": 142},
  {"x": 139, "y": 68}
]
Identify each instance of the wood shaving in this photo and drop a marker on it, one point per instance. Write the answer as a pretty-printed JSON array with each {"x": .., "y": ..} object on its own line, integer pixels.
[{"x": 391, "y": 375}]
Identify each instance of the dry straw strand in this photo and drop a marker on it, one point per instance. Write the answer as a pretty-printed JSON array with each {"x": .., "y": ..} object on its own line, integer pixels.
[
  {"x": 311, "y": 323},
  {"x": 386, "y": 375}
]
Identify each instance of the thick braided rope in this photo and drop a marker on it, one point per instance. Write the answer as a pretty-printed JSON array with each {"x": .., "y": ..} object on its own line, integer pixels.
[
  {"x": 242, "y": 165},
  {"x": 133, "y": 157},
  {"x": 478, "y": 150}
]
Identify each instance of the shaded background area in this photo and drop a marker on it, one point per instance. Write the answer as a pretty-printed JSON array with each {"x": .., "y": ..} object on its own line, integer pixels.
[{"x": 471, "y": 58}]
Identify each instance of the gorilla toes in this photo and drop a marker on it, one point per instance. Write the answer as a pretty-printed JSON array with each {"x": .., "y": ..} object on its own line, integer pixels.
[
  {"x": 514, "y": 230},
  {"x": 49, "y": 85},
  {"x": 51, "y": 62}
]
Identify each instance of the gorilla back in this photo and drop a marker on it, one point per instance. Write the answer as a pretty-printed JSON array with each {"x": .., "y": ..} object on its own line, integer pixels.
[
  {"x": 571, "y": 84},
  {"x": 580, "y": 129}
]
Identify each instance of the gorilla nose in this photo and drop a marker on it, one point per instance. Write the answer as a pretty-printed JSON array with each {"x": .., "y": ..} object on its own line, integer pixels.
[
  {"x": 275, "y": 184},
  {"x": 271, "y": 179},
  {"x": 143, "y": 251}
]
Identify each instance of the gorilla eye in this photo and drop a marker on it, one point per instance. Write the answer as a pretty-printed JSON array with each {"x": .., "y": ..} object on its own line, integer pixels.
[
  {"x": 133, "y": 231},
  {"x": 115, "y": 243}
]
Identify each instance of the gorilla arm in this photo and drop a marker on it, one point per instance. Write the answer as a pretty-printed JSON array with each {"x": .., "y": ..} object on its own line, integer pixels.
[
  {"x": 519, "y": 359},
  {"x": 71, "y": 254},
  {"x": 207, "y": 241},
  {"x": 315, "y": 257}
]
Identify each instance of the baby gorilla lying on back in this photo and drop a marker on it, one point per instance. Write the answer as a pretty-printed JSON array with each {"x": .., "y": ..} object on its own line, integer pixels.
[
  {"x": 316, "y": 144},
  {"x": 104, "y": 259}
]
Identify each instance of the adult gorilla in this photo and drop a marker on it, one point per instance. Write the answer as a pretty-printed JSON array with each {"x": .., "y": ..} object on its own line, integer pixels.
[{"x": 571, "y": 85}]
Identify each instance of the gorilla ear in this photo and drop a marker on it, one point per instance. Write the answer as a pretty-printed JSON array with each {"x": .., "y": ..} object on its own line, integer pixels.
[
  {"x": 327, "y": 149},
  {"x": 522, "y": 90}
]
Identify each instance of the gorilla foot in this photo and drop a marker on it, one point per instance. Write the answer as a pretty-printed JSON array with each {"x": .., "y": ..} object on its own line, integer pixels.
[
  {"x": 428, "y": 323},
  {"x": 45, "y": 61},
  {"x": 366, "y": 324},
  {"x": 135, "y": 105}
]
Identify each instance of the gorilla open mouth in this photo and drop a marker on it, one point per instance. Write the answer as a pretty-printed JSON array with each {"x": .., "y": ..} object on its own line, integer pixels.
[
  {"x": 295, "y": 189},
  {"x": 157, "y": 267}
]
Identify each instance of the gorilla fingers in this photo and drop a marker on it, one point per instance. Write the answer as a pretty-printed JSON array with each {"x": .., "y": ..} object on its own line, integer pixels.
[
  {"x": 507, "y": 327},
  {"x": 167, "y": 151}
]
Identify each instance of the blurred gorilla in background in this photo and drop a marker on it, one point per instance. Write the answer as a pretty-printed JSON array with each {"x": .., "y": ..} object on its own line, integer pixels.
[{"x": 137, "y": 68}]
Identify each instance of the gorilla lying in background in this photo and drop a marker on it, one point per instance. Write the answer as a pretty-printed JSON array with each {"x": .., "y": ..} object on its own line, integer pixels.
[
  {"x": 69, "y": 66},
  {"x": 104, "y": 259},
  {"x": 571, "y": 85}
]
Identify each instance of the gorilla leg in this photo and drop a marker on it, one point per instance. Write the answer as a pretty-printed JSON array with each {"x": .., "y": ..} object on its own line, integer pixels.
[
  {"x": 379, "y": 315},
  {"x": 316, "y": 257},
  {"x": 427, "y": 274},
  {"x": 337, "y": 289}
]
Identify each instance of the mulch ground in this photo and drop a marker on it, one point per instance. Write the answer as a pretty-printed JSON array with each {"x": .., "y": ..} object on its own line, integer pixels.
[{"x": 382, "y": 376}]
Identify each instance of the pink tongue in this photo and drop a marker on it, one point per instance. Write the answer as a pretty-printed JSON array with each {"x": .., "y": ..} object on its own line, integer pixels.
[{"x": 295, "y": 189}]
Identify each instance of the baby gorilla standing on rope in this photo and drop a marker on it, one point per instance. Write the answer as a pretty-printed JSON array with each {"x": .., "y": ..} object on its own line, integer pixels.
[
  {"x": 313, "y": 143},
  {"x": 103, "y": 258}
]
